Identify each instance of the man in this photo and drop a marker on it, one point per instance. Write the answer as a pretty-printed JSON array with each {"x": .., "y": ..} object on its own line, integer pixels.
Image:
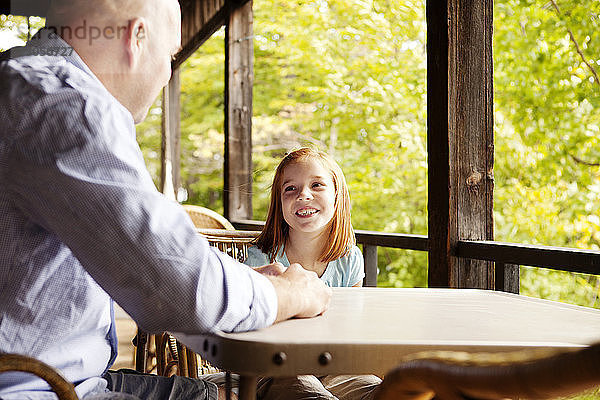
[{"x": 81, "y": 222}]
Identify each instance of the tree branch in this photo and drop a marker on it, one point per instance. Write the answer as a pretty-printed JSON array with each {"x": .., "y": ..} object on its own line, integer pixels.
[
  {"x": 577, "y": 45},
  {"x": 580, "y": 161}
]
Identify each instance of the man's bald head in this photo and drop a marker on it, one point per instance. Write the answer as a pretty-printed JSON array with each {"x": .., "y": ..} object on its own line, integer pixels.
[
  {"x": 107, "y": 16},
  {"x": 67, "y": 11},
  {"x": 128, "y": 44}
]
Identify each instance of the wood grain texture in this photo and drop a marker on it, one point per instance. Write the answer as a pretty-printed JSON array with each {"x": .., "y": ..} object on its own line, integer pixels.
[
  {"x": 239, "y": 53},
  {"x": 460, "y": 139},
  {"x": 200, "y": 19},
  {"x": 471, "y": 122}
]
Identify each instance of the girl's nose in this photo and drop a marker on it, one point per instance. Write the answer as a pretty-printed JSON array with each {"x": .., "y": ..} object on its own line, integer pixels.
[{"x": 304, "y": 194}]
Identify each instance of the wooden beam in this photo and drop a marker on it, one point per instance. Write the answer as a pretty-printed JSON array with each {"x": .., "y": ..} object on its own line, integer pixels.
[
  {"x": 239, "y": 52},
  {"x": 559, "y": 258},
  {"x": 170, "y": 180},
  {"x": 393, "y": 240},
  {"x": 471, "y": 112},
  {"x": 507, "y": 277},
  {"x": 37, "y": 8},
  {"x": 459, "y": 138},
  {"x": 199, "y": 20}
]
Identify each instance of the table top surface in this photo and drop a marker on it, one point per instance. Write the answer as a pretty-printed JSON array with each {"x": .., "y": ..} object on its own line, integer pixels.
[{"x": 370, "y": 329}]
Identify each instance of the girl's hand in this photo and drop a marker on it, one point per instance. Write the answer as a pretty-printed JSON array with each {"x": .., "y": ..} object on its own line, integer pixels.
[{"x": 274, "y": 269}]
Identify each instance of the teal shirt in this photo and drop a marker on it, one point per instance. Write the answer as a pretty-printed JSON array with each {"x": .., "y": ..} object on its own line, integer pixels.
[{"x": 343, "y": 272}]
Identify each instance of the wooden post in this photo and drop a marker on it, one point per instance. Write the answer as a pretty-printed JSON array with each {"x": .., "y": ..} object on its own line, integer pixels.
[
  {"x": 239, "y": 52},
  {"x": 507, "y": 277},
  {"x": 370, "y": 259},
  {"x": 170, "y": 138},
  {"x": 459, "y": 138},
  {"x": 440, "y": 231}
]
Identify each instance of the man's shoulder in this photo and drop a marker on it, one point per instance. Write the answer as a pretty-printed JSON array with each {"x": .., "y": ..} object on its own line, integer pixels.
[
  {"x": 31, "y": 85},
  {"x": 30, "y": 74},
  {"x": 53, "y": 105}
]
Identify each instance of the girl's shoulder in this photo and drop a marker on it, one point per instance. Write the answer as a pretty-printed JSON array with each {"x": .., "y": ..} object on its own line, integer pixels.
[
  {"x": 346, "y": 271},
  {"x": 256, "y": 257},
  {"x": 352, "y": 257},
  {"x": 353, "y": 254}
]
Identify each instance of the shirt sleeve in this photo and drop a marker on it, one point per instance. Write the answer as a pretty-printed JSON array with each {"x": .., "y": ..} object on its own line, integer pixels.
[
  {"x": 78, "y": 173},
  {"x": 356, "y": 267}
]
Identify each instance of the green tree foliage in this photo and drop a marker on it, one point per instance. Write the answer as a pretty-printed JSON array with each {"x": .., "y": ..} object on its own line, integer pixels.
[
  {"x": 202, "y": 104},
  {"x": 546, "y": 65}
]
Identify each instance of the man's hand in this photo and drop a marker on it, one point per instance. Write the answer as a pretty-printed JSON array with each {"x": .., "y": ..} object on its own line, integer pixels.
[{"x": 300, "y": 293}]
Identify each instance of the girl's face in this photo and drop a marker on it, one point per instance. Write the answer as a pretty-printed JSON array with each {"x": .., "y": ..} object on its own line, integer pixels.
[{"x": 307, "y": 196}]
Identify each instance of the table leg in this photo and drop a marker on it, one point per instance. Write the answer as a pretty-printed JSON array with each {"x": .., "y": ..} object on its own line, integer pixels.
[
  {"x": 227, "y": 385},
  {"x": 247, "y": 387}
]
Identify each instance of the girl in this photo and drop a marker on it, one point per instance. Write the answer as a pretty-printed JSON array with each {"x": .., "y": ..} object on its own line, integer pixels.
[
  {"x": 309, "y": 220},
  {"x": 309, "y": 223}
]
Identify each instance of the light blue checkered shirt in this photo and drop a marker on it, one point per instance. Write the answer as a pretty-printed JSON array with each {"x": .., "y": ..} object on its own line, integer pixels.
[{"x": 81, "y": 222}]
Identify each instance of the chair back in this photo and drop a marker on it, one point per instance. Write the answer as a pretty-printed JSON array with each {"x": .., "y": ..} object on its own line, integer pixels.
[
  {"x": 233, "y": 243},
  {"x": 533, "y": 374},
  {"x": 63, "y": 389},
  {"x": 205, "y": 218}
]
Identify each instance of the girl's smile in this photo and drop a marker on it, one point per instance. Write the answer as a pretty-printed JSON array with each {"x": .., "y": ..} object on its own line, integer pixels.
[{"x": 306, "y": 212}]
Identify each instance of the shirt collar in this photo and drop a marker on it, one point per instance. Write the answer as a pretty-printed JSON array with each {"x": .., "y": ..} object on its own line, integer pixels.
[{"x": 49, "y": 39}]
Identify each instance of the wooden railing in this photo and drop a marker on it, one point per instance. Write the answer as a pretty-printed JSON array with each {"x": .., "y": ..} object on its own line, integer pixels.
[
  {"x": 372, "y": 240},
  {"x": 507, "y": 256}
]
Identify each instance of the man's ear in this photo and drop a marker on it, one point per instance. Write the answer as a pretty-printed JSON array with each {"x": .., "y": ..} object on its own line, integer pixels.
[{"x": 136, "y": 40}]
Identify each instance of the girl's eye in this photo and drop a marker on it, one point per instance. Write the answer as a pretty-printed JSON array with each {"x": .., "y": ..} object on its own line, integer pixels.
[
  {"x": 289, "y": 188},
  {"x": 317, "y": 184}
]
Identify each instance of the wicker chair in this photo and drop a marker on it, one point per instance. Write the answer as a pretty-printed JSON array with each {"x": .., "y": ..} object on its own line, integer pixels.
[
  {"x": 205, "y": 218},
  {"x": 16, "y": 362},
  {"x": 538, "y": 374},
  {"x": 235, "y": 244}
]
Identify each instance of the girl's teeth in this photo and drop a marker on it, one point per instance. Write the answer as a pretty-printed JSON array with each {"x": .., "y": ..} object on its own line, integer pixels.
[{"x": 306, "y": 212}]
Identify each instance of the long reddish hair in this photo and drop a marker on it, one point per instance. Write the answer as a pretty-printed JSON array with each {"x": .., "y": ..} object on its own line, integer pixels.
[{"x": 340, "y": 236}]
